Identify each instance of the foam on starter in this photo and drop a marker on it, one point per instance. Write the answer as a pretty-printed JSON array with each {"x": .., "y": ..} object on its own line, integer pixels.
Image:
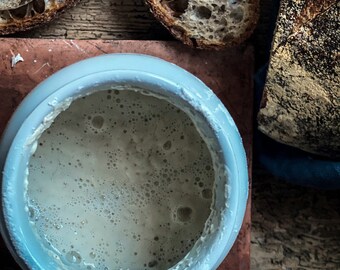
[{"x": 120, "y": 180}]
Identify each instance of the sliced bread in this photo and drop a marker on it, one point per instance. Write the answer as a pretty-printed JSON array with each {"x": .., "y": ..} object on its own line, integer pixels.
[
  {"x": 20, "y": 15},
  {"x": 11, "y": 4},
  {"x": 208, "y": 24}
]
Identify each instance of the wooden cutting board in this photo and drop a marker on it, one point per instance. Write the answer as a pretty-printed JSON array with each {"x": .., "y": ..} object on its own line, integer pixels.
[{"x": 228, "y": 73}]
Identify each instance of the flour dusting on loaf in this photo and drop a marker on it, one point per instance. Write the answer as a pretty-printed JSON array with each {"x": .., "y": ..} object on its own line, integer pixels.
[{"x": 301, "y": 101}]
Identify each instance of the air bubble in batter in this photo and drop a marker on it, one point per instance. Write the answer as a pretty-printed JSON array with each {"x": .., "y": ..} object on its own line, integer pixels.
[
  {"x": 97, "y": 121},
  {"x": 184, "y": 214},
  {"x": 207, "y": 193},
  {"x": 73, "y": 257}
]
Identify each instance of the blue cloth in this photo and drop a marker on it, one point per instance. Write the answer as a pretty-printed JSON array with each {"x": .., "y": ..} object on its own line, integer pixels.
[{"x": 289, "y": 163}]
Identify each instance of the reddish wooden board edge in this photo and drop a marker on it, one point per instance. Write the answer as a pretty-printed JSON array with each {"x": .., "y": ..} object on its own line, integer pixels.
[{"x": 228, "y": 73}]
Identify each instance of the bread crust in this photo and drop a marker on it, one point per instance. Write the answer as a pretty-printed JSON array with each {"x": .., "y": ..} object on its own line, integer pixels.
[
  {"x": 166, "y": 17},
  {"x": 17, "y": 25},
  {"x": 301, "y": 101}
]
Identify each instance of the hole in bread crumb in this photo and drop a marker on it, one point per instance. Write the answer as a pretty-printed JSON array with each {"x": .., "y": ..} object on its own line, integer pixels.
[
  {"x": 177, "y": 6},
  {"x": 203, "y": 12},
  {"x": 39, "y": 6},
  {"x": 228, "y": 37},
  {"x": 4, "y": 15},
  {"x": 237, "y": 15},
  {"x": 19, "y": 13},
  {"x": 194, "y": 42}
]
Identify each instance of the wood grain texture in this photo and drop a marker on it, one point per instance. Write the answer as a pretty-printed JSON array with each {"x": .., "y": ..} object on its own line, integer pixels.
[
  {"x": 293, "y": 228},
  {"x": 103, "y": 19}
]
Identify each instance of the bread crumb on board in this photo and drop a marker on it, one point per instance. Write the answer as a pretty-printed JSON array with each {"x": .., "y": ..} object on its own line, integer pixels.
[{"x": 16, "y": 58}]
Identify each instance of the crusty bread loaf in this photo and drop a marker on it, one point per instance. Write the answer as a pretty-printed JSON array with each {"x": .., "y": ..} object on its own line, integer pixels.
[
  {"x": 17, "y": 16},
  {"x": 301, "y": 101},
  {"x": 209, "y": 24}
]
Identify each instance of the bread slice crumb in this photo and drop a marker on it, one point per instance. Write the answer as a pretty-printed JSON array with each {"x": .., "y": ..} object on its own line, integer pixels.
[
  {"x": 27, "y": 14},
  {"x": 213, "y": 24}
]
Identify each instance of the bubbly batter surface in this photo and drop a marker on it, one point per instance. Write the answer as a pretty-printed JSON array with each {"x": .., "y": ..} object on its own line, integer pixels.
[{"x": 120, "y": 180}]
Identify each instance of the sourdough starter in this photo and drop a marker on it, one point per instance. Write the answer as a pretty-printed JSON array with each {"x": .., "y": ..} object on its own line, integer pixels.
[{"x": 121, "y": 180}]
